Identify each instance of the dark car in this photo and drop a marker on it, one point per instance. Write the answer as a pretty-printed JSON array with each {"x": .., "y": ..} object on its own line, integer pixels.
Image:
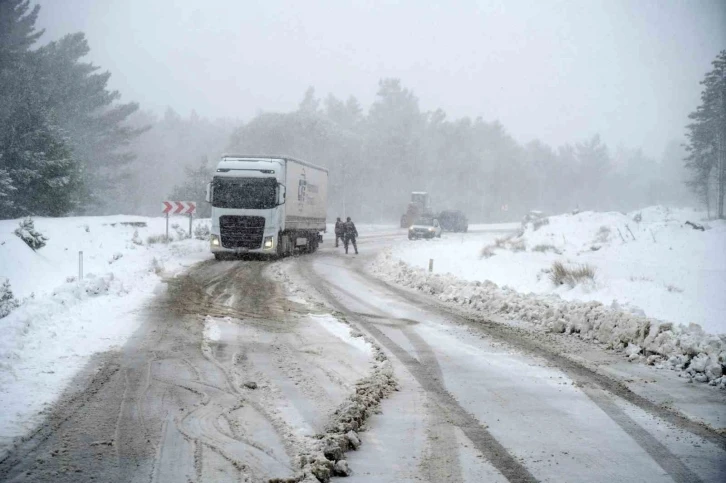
[{"x": 453, "y": 220}]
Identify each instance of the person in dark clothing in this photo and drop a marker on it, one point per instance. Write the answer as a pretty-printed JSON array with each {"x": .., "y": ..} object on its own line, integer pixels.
[
  {"x": 338, "y": 231},
  {"x": 349, "y": 235}
]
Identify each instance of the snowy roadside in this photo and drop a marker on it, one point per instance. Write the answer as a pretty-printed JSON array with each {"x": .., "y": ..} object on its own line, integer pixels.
[
  {"x": 61, "y": 322},
  {"x": 633, "y": 271}
]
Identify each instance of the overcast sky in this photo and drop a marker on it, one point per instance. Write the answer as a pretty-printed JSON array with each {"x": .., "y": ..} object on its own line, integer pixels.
[{"x": 558, "y": 71}]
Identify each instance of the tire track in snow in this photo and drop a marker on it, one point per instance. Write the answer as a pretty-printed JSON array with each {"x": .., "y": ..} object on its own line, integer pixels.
[
  {"x": 670, "y": 463},
  {"x": 443, "y": 448},
  {"x": 482, "y": 440}
]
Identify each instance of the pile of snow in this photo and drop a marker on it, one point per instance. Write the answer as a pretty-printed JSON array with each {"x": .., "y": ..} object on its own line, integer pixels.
[
  {"x": 658, "y": 265},
  {"x": 633, "y": 275},
  {"x": 61, "y": 321}
]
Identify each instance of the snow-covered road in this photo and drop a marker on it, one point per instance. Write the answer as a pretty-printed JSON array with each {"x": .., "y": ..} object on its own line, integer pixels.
[{"x": 253, "y": 370}]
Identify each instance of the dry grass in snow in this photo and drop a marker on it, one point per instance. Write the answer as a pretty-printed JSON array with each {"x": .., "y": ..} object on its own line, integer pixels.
[{"x": 560, "y": 274}]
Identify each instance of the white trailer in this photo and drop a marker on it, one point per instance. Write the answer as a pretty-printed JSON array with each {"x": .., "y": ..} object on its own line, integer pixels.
[{"x": 270, "y": 205}]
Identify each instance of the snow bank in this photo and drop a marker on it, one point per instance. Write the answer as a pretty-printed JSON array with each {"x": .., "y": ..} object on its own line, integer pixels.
[
  {"x": 61, "y": 321},
  {"x": 658, "y": 264},
  {"x": 696, "y": 261}
]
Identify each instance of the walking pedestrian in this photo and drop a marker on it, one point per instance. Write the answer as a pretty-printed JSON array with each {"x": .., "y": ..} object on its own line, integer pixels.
[
  {"x": 339, "y": 230},
  {"x": 349, "y": 235}
]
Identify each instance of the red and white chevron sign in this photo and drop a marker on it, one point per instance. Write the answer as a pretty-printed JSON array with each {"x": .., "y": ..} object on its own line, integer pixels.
[{"x": 178, "y": 207}]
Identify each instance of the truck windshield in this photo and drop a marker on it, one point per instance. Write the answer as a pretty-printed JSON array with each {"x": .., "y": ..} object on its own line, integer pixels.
[{"x": 244, "y": 193}]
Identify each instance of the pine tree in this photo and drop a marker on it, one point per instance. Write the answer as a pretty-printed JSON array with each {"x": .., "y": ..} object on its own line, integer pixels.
[
  {"x": 17, "y": 30},
  {"x": 707, "y": 138},
  {"x": 38, "y": 174},
  {"x": 8, "y": 302},
  {"x": 17, "y": 35},
  {"x": 96, "y": 124}
]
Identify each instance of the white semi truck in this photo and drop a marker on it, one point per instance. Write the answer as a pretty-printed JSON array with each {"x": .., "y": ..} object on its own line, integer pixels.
[{"x": 268, "y": 205}]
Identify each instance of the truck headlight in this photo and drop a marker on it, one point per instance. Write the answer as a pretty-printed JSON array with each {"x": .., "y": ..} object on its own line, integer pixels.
[
  {"x": 214, "y": 240},
  {"x": 268, "y": 242},
  {"x": 432, "y": 229}
]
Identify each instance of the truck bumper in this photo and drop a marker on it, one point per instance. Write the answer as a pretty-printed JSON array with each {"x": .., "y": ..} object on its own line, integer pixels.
[{"x": 268, "y": 247}]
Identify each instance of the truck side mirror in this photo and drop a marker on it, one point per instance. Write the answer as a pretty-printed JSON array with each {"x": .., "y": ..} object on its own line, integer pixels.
[
  {"x": 281, "y": 194},
  {"x": 208, "y": 197}
]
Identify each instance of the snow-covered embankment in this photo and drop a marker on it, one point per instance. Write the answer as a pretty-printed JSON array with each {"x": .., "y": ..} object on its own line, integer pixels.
[{"x": 657, "y": 282}]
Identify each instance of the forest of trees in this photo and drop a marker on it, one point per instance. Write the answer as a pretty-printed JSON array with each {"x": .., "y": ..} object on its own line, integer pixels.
[
  {"x": 69, "y": 146},
  {"x": 377, "y": 158},
  {"x": 174, "y": 160}
]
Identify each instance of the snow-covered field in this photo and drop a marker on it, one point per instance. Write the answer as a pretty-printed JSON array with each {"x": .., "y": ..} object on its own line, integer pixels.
[
  {"x": 62, "y": 322},
  {"x": 664, "y": 268},
  {"x": 658, "y": 282}
]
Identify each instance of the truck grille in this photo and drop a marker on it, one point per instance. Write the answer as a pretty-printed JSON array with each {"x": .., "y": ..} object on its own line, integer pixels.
[{"x": 241, "y": 231}]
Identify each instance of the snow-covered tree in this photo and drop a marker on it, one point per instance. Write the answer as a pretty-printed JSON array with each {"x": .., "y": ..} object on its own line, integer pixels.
[
  {"x": 63, "y": 136},
  {"x": 8, "y": 302},
  {"x": 96, "y": 124},
  {"x": 33, "y": 238},
  {"x": 38, "y": 173},
  {"x": 7, "y": 190}
]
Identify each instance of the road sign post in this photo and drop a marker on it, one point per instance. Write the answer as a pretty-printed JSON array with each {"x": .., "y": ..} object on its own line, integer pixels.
[{"x": 178, "y": 208}]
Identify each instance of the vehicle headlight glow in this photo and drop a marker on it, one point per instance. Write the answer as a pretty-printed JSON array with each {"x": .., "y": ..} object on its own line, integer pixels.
[
  {"x": 214, "y": 240},
  {"x": 268, "y": 242},
  {"x": 432, "y": 229}
]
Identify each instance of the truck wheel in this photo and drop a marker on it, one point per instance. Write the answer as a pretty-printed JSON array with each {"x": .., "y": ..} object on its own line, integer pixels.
[
  {"x": 289, "y": 247},
  {"x": 283, "y": 246},
  {"x": 219, "y": 256}
]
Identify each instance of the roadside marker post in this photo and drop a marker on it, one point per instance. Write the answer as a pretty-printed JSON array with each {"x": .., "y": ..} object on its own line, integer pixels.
[
  {"x": 431, "y": 265},
  {"x": 178, "y": 208},
  {"x": 80, "y": 266}
]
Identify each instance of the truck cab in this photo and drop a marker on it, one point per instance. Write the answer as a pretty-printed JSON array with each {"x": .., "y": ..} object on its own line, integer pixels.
[{"x": 251, "y": 212}]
